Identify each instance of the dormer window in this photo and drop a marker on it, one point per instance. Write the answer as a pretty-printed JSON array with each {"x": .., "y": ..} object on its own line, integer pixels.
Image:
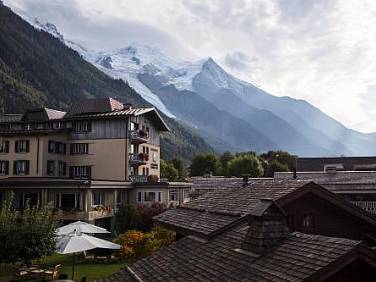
[{"x": 308, "y": 223}]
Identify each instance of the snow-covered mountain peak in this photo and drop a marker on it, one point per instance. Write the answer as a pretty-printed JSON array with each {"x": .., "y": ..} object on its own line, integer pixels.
[{"x": 50, "y": 28}]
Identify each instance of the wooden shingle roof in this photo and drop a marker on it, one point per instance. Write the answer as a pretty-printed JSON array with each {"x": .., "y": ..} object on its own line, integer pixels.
[{"x": 296, "y": 258}]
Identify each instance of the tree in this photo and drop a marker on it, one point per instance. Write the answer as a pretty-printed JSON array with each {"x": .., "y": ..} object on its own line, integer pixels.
[
  {"x": 126, "y": 218},
  {"x": 224, "y": 159},
  {"x": 27, "y": 236},
  {"x": 205, "y": 164},
  {"x": 168, "y": 171},
  {"x": 179, "y": 166},
  {"x": 139, "y": 218},
  {"x": 275, "y": 166},
  {"x": 245, "y": 164},
  {"x": 282, "y": 157}
]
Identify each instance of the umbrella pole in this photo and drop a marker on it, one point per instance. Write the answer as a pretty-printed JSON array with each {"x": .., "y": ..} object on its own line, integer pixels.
[{"x": 74, "y": 256}]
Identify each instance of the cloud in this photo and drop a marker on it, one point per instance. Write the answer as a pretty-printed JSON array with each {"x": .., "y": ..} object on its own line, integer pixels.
[{"x": 323, "y": 51}]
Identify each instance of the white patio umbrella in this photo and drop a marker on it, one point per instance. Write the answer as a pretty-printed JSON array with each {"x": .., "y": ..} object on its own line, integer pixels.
[
  {"x": 76, "y": 242},
  {"x": 82, "y": 226}
]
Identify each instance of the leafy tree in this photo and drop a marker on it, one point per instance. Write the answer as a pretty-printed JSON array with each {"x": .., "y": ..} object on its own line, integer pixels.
[
  {"x": 275, "y": 166},
  {"x": 139, "y": 218},
  {"x": 136, "y": 244},
  {"x": 126, "y": 218},
  {"x": 204, "y": 164},
  {"x": 224, "y": 159},
  {"x": 282, "y": 157},
  {"x": 245, "y": 164},
  {"x": 179, "y": 166},
  {"x": 147, "y": 212},
  {"x": 27, "y": 236},
  {"x": 168, "y": 171}
]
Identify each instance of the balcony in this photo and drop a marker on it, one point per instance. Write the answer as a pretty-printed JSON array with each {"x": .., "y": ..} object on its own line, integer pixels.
[
  {"x": 138, "y": 159},
  {"x": 369, "y": 206},
  {"x": 138, "y": 178},
  {"x": 90, "y": 215},
  {"x": 138, "y": 136}
]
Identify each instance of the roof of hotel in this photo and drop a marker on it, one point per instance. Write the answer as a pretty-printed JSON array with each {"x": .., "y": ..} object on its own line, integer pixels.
[
  {"x": 85, "y": 109},
  {"x": 297, "y": 258}
]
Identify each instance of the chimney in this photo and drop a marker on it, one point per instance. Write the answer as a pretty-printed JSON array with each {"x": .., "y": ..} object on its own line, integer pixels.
[
  {"x": 245, "y": 179},
  {"x": 267, "y": 226},
  {"x": 127, "y": 106},
  {"x": 295, "y": 174}
]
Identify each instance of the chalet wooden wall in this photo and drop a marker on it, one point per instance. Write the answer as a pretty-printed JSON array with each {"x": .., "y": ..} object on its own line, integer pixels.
[{"x": 328, "y": 219}]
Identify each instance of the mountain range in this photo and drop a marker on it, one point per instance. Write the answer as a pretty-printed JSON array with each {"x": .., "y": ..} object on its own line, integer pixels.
[
  {"x": 38, "y": 70},
  {"x": 230, "y": 114}
]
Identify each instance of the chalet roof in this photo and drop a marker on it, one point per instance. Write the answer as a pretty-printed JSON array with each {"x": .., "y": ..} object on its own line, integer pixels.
[
  {"x": 339, "y": 181},
  {"x": 297, "y": 258},
  {"x": 215, "y": 182},
  {"x": 347, "y": 163},
  {"x": 218, "y": 210}
]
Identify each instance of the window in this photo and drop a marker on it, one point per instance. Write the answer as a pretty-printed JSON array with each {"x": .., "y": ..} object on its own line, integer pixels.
[
  {"x": 4, "y": 167},
  {"x": 82, "y": 127},
  {"x": 56, "y": 147},
  {"x": 62, "y": 168},
  {"x": 308, "y": 222},
  {"x": 98, "y": 198},
  {"x": 139, "y": 197},
  {"x": 145, "y": 171},
  {"x": 155, "y": 156},
  {"x": 31, "y": 198},
  {"x": 154, "y": 166},
  {"x": 79, "y": 149},
  {"x": 134, "y": 126},
  {"x": 149, "y": 197},
  {"x": 67, "y": 201},
  {"x": 22, "y": 146},
  {"x": 4, "y": 146},
  {"x": 50, "y": 167},
  {"x": 21, "y": 167},
  {"x": 80, "y": 171},
  {"x": 173, "y": 196},
  {"x": 145, "y": 150}
]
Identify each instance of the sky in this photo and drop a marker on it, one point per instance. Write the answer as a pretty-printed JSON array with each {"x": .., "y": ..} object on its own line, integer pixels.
[{"x": 322, "y": 51}]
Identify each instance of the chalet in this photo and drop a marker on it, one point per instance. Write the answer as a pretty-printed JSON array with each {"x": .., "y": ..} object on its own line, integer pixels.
[
  {"x": 252, "y": 241},
  {"x": 310, "y": 208},
  {"x": 358, "y": 187}
]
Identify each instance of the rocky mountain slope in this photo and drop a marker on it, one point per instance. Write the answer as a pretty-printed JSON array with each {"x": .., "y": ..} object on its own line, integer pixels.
[
  {"x": 228, "y": 112},
  {"x": 37, "y": 69}
]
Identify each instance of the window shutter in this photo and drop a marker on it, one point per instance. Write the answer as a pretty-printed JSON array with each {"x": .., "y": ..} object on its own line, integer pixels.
[
  {"x": 64, "y": 168},
  {"x": 71, "y": 149},
  {"x": 159, "y": 197},
  {"x": 7, "y": 146},
  {"x": 16, "y": 146},
  {"x": 6, "y": 167},
  {"x": 27, "y": 164},
  {"x": 27, "y": 146},
  {"x": 64, "y": 148},
  {"x": 15, "y": 167}
]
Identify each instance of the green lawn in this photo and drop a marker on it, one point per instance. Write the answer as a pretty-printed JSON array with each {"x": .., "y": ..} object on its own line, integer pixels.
[{"x": 92, "y": 270}]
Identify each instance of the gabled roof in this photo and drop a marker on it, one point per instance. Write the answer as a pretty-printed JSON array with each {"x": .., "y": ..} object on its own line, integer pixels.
[
  {"x": 200, "y": 216},
  {"x": 299, "y": 257}
]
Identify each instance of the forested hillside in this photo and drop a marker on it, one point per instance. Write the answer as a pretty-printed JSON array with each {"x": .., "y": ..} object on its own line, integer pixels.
[{"x": 36, "y": 70}]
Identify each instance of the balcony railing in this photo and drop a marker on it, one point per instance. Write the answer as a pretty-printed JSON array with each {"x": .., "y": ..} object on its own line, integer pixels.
[
  {"x": 138, "y": 178},
  {"x": 139, "y": 136},
  {"x": 369, "y": 206},
  {"x": 89, "y": 215},
  {"x": 138, "y": 159}
]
